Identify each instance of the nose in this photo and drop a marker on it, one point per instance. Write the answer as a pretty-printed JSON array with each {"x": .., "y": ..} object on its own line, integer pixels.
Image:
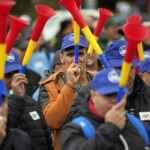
[{"x": 112, "y": 101}]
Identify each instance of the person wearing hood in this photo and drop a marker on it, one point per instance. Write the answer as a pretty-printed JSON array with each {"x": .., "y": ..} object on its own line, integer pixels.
[
  {"x": 24, "y": 112},
  {"x": 10, "y": 138}
]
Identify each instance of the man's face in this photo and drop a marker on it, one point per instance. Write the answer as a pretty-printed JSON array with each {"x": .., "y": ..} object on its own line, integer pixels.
[
  {"x": 146, "y": 78},
  {"x": 130, "y": 82},
  {"x": 103, "y": 103},
  {"x": 112, "y": 32},
  {"x": 68, "y": 57},
  {"x": 20, "y": 53},
  {"x": 8, "y": 78},
  {"x": 92, "y": 59}
]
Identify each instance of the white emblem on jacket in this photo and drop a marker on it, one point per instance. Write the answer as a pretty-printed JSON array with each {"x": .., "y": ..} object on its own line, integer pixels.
[
  {"x": 34, "y": 115},
  {"x": 144, "y": 115}
]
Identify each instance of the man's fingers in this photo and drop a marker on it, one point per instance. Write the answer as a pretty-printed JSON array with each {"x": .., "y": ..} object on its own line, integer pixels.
[
  {"x": 75, "y": 65},
  {"x": 21, "y": 81},
  {"x": 72, "y": 65},
  {"x": 15, "y": 76},
  {"x": 121, "y": 104},
  {"x": 75, "y": 69},
  {"x": 19, "y": 78}
]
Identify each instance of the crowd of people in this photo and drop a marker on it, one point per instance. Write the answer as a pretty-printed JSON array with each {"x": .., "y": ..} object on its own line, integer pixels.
[{"x": 60, "y": 105}]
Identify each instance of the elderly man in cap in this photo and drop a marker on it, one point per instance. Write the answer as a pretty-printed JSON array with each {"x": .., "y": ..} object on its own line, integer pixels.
[
  {"x": 138, "y": 102},
  {"x": 58, "y": 92},
  {"x": 11, "y": 138},
  {"x": 112, "y": 130}
]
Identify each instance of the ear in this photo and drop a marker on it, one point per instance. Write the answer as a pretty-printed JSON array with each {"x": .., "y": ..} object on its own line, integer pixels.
[
  {"x": 61, "y": 56},
  {"x": 103, "y": 67},
  {"x": 93, "y": 93}
]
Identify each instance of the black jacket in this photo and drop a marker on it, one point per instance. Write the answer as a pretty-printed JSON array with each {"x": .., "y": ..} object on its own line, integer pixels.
[
  {"x": 25, "y": 113},
  {"x": 107, "y": 136},
  {"x": 138, "y": 101},
  {"x": 16, "y": 140}
]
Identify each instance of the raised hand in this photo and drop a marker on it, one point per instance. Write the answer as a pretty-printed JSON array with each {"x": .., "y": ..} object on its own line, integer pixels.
[
  {"x": 73, "y": 73},
  {"x": 17, "y": 84},
  {"x": 117, "y": 114}
]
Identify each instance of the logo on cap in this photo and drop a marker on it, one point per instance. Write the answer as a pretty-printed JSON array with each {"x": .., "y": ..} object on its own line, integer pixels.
[
  {"x": 11, "y": 58},
  {"x": 146, "y": 55},
  {"x": 71, "y": 38},
  {"x": 113, "y": 77},
  {"x": 122, "y": 50}
]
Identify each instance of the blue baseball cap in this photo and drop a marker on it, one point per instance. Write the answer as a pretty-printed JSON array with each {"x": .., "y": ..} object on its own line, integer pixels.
[
  {"x": 68, "y": 41},
  {"x": 115, "y": 53},
  {"x": 106, "y": 82},
  {"x": 12, "y": 62},
  {"x": 4, "y": 89}
]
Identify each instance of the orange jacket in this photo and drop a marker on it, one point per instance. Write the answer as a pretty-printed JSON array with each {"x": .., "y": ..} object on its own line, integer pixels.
[{"x": 58, "y": 107}]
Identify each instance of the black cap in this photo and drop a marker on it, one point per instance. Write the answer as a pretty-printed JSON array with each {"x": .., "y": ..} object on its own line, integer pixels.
[
  {"x": 56, "y": 59},
  {"x": 64, "y": 24},
  {"x": 20, "y": 43},
  {"x": 28, "y": 34},
  {"x": 113, "y": 21}
]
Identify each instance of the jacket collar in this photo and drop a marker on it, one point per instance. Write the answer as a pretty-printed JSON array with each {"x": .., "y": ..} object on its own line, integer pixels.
[{"x": 93, "y": 110}]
